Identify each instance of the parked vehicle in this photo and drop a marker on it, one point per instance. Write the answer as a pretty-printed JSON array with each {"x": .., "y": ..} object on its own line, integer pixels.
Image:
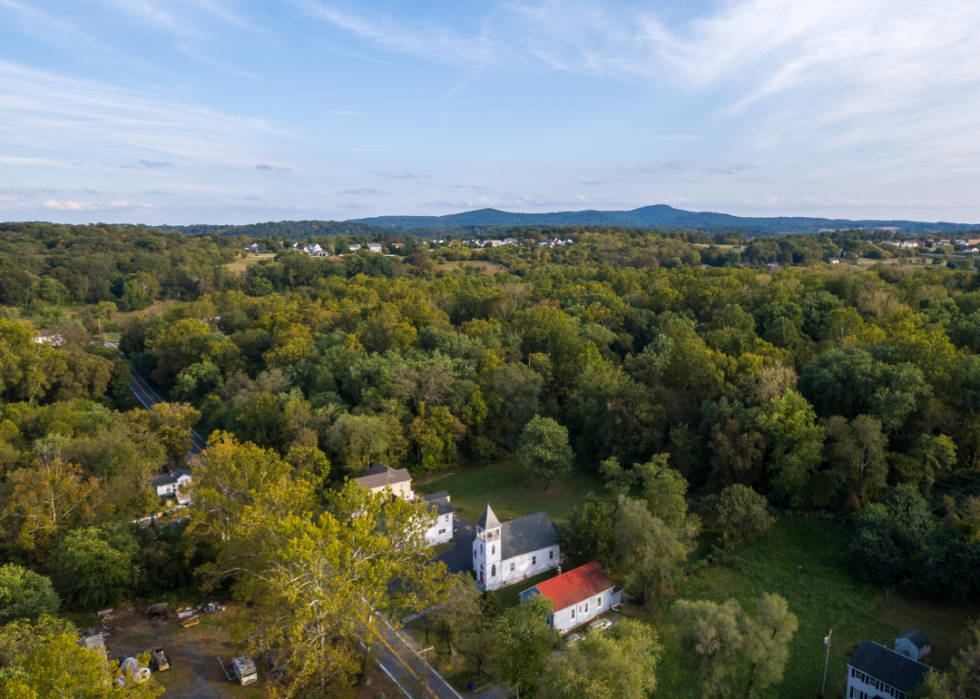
[
  {"x": 600, "y": 625},
  {"x": 573, "y": 639}
]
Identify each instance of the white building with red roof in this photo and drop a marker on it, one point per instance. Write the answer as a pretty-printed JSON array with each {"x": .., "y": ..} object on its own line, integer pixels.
[{"x": 577, "y": 597}]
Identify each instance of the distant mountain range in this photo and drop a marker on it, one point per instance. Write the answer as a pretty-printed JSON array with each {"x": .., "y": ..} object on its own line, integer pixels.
[{"x": 658, "y": 216}]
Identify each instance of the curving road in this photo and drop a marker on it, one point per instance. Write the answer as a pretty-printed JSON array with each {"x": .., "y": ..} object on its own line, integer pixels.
[{"x": 148, "y": 397}]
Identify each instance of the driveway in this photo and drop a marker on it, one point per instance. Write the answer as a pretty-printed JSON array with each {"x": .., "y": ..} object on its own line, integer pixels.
[{"x": 460, "y": 557}]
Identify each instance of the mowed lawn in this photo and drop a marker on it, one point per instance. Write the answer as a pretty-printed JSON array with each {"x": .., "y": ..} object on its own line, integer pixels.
[
  {"x": 243, "y": 263},
  {"x": 830, "y": 596},
  {"x": 512, "y": 492}
]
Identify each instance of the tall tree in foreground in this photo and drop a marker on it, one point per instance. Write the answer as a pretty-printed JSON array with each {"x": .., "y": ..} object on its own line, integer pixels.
[
  {"x": 765, "y": 639},
  {"x": 544, "y": 449},
  {"x": 620, "y": 663},
  {"x": 44, "y": 660},
  {"x": 524, "y": 642},
  {"x": 648, "y": 552},
  {"x": 319, "y": 583},
  {"x": 711, "y": 639}
]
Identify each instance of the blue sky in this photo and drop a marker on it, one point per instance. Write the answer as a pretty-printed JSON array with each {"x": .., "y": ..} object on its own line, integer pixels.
[{"x": 227, "y": 111}]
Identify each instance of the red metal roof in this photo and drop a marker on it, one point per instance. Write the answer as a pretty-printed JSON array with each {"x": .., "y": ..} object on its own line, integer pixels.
[{"x": 575, "y": 585}]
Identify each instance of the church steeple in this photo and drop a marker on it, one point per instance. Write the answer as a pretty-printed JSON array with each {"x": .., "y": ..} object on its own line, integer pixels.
[{"x": 488, "y": 520}]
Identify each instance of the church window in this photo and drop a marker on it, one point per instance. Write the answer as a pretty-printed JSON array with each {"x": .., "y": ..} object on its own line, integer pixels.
[
  {"x": 474, "y": 553},
  {"x": 493, "y": 571},
  {"x": 481, "y": 549},
  {"x": 493, "y": 550},
  {"x": 512, "y": 565},
  {"x": 534, "y": 560},
  {"x": 551, "y": 555}
]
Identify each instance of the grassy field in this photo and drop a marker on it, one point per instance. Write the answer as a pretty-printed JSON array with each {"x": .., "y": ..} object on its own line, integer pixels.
[
  {"x": 485, "y": 266},
  {"x": 242, "y": 263},
  {"x": 511, "y": 491},
  {"x": 830, "y": 596}
]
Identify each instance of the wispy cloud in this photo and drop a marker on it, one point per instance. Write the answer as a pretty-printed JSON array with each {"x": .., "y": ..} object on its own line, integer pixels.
[
  {"x": 154, "y": 164},
  {"x": 424, "y": 39},
  {"x": 362, "y": 190},
  {"x": 733, "y": 169},
  {"x": 68, "y": 205},
  {"x": 271, "y": 168},
  {"x": 54, "y": 113},
  {"x": 402, "y": 175}
]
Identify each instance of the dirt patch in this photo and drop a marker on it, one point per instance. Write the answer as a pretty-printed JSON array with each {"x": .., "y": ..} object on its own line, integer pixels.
[{"x": 193, "y": 653}]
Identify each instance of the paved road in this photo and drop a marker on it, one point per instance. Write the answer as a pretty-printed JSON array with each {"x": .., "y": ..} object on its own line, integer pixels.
[
  {"x": 148, "y": 397},
  {"x": 410, "y": 671}
]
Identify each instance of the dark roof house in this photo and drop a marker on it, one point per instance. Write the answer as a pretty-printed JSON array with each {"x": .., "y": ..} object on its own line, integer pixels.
[
  {"x": 440, "y": 501},
  {"x": 879, "y": 668},
  {"x": 381, "y": 475}
]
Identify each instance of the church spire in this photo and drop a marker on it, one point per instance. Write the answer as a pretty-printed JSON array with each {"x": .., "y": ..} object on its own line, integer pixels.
[{"x": 488, "y": 520}]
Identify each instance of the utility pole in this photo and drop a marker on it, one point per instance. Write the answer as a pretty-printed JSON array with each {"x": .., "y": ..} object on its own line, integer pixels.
[{"x": 826, "y": 662}]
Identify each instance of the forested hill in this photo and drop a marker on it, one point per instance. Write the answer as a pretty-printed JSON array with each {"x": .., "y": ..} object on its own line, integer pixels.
[
  {"x": 660, "y": 215},
  {"x": 301, "y": 230}
]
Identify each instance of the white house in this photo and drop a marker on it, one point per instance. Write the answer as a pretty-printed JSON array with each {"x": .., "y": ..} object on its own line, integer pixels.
[
  {"x": 834, "y": 261},
  {"x": 577, "y": 596},
  {"x": 913, "y": 644},
  {"x": 442, "y": 531},
  {"x": 970, "y": 250},
  {"x": 175, "y": 482},
  {"x": 506, "y": 553},
  {"x": 876, "y": 671},
  {"x": 313, "y": 247},
  {"x": 354, "y": 247},
  {"x": 375, "y": 247},
  {"x": 509, "y": 241},
  {"x": 254, "y": 247},
  {"x": 382, "y": 478}
]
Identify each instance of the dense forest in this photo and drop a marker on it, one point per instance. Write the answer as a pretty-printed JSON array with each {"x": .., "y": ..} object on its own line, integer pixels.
[{"x": 711, "y": 380}]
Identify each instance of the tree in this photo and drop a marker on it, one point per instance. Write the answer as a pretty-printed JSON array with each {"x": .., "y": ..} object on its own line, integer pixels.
[
  {"x": 25, "y": 595},
  {"x": 44, "y": 502},
  {"x": 647, "y": 551},
  {"x": 45, "y": 660},
  {"x": 857, "y": 452},
  {"x": 621, "y": 662},
  {"x": 664, "y": 489},
  {"x": 962, "y": 678},
  {"x": 592, "y": 530},
  {"x": 765, "y": 641},
  {"x": 544, "y": 449},
  {"x": 172, "y": 422},
  {"x": 319, "y": 583},
  {"x": 359, "y": 440},
  {"x": 742, "y": 514},
  {"x": 524, "y": 642},
  {"x": 460, "y": 612},
  {"x": 91, "y": 572},
  {"x": 795, "y": 445},
  {"x": 711, "y": 639}
]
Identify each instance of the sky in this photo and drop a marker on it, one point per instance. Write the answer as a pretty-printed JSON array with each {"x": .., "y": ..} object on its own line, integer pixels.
[{"x": 235, "y": 111}]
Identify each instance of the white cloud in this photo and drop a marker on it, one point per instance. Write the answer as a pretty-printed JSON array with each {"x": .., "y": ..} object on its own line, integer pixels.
[{"x": 68, "y": 205}]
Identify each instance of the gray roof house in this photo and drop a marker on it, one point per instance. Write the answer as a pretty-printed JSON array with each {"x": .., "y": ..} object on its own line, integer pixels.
[
  {"x": 174, "y": 482},
  {"x": 877, "y": 671},
  {"x": 440, "y": 501},
  {"x": 913, "y": 644},
  {"x": 381, "y": 477}
]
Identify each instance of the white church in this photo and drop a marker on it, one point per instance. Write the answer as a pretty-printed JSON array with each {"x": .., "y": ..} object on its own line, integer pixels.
[{"x": 509, "y": 552}]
